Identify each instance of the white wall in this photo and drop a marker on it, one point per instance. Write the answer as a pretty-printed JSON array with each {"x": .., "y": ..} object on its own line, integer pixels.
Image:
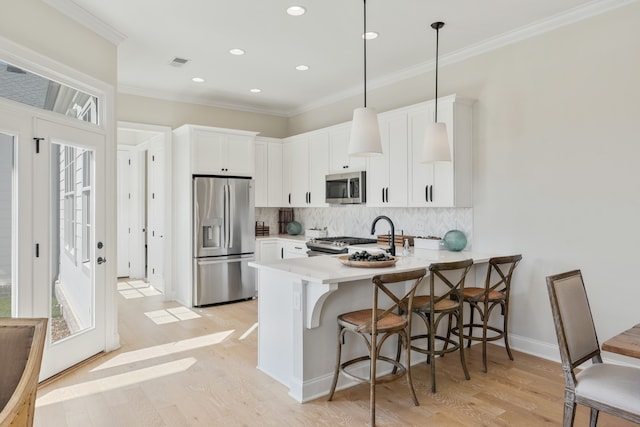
[{"x": 556, "y": 170}]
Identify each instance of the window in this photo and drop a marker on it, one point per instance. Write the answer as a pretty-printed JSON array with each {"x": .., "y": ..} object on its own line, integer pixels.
[{"x": 20, "y": 85}]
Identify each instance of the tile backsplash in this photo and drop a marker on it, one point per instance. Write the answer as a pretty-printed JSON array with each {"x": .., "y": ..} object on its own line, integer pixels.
[{"x": 355, "y": 220}]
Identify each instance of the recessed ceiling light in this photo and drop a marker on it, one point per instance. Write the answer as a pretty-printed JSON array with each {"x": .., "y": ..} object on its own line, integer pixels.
[
  {"x": 255, "y": 90},
  {"x": 370, "y": 35},
  {"x": 302, "y": 67},
  {"x": 296, "y": 10},
  {"x": 236, "y": 51},
  {"x": 198, "y": 79}
]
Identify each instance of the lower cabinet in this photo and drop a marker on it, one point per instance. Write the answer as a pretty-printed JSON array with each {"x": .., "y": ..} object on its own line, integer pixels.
[{"x": 275, "y": 249}]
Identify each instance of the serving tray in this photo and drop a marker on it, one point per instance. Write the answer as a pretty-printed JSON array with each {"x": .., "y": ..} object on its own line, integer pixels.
[{"x": 367, "y": 264}]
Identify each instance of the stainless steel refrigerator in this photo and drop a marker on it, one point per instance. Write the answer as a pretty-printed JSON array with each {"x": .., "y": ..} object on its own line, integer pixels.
[{"x": 223, "y": 239}]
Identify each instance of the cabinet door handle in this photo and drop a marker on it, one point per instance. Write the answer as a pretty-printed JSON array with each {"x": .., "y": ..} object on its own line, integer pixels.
[
  {"x": 382, "y": 194},
  {"x": 289, "y": 198},
  {"x": 426, "y": 193},
  {"x": 431, "y": 194},
  {"x": 281, "y": 253},
  {"x": 387, "y": 194}
]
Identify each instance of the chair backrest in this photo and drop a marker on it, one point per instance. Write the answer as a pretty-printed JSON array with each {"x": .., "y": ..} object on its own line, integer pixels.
[
  {"x": 575, "y": 330},
  {"x": 21, "y": 348},
  {"x": 401, "y": 298},
  {"x": 453, "y": 275},
  {"x": 499, "y": 274}
]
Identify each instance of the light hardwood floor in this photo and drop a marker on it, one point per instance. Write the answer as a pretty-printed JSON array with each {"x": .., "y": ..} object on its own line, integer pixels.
[{"x": 176, "y": 371}]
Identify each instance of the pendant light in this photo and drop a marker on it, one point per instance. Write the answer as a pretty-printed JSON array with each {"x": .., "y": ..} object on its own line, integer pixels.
[
  {"x": 365, "y": 131},
  {"x": 436, "y": 140}
]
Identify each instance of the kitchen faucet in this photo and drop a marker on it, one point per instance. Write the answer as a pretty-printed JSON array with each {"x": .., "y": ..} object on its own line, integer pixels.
[{"x": 392, "y": 240}]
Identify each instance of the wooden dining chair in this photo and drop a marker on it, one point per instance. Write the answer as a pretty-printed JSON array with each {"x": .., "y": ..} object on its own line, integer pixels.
[
  {"x": 395, "y": 291},
  {"x": 483, "y": 300},
  {"x": 21, "y": 346},
  {"x": 446, "y": 283},
  {"x": 613, "y": 389}
]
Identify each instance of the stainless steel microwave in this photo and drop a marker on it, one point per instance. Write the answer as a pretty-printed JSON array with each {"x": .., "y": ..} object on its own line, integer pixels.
[{"x": 346, "y": 188}]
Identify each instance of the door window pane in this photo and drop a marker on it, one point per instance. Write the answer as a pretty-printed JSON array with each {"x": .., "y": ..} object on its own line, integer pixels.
[
  {"x": 6, "y": 223},
  {"x": 72, "y": 240}
]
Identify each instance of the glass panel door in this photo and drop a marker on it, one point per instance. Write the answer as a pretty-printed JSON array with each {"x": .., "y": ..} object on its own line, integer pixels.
[{"x": 69, "y": 198}]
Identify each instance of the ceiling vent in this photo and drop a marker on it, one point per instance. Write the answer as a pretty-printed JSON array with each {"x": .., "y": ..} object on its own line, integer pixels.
[{"x": 178, "y": 62}]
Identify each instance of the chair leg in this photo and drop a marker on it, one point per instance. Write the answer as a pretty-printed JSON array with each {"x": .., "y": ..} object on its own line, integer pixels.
[
  {"x": 461, "y": 346},
  {"x": 505, "y": 331},
  {"x": 472, "y": 313},
  {"x": 337, "y": 369},
  {"x": 569, "y": 412},
  {"x": 484, "y": 340},
  {"x": 372, "y": 379},
  {"x": 431, "y": 356},
  {"x": 407, "y": 340},
  {"x": 593, "y": 420}
]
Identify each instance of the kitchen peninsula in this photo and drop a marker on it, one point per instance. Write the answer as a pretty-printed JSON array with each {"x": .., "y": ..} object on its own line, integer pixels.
[{"x": 298, "y": 302}]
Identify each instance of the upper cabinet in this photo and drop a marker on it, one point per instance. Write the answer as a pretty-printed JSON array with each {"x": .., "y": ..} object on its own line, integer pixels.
[
  {"x": 446, "y": 184},
  {"x": 305, "y": 164},
  {"x": 387, "y": 174},
  {"x": 268, "y": 172},
  {"x": 216, "y": 151},
  {"x": 339, "y": 159}
]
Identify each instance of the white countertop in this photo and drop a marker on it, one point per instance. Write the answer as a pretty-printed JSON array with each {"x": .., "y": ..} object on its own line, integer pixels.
[{"x": 329, "y": 269}]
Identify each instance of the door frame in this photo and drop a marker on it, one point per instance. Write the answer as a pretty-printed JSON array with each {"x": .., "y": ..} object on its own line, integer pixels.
[
  {"x": 145, "y": 145},
  {"x": 45, "y": 66}
]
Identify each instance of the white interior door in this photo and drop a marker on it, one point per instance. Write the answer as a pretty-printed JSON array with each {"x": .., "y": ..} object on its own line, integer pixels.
[
  {"x": 124, "y": 201},
  {"x": 69, "y": 228}
]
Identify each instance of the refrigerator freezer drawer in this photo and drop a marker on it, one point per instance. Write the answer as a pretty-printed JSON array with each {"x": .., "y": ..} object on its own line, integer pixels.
[{"x": 225, "y": 279}]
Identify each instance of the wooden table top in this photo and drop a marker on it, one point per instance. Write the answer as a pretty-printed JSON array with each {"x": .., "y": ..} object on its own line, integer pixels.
[{"x": 626, "y": 343}]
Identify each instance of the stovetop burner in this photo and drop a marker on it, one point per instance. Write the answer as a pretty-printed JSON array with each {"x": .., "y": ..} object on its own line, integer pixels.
[{"x": 336, "y": 245}]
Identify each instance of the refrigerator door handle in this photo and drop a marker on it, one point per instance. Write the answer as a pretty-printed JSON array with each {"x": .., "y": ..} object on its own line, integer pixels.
[{"x": 230, "y": 206}]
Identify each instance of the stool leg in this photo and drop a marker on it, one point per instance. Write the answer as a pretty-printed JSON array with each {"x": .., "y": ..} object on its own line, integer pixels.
[
  {"x": 471, "y": 312},
  {"x": 505, "y": 330},
  {"x": 337, "y": 369},
  {"x": 485, "y": 318},
  {"x": 461, "y": 345}
]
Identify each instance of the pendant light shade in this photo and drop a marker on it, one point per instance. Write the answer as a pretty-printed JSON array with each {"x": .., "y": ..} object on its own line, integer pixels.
[
  {"x": 436, "y": 139},
  {"x": 365, "y": 131}
]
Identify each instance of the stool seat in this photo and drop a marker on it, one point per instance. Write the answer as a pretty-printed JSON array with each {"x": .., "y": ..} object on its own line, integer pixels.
[
  {"x": 477, "y": 294},
  {"x": 362, "y": 320}
]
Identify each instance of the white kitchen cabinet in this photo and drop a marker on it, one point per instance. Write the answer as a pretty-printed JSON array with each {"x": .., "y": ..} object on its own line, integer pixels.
[
  {"x": 294, "y": 249},
  {"x": 442, "y": 184},
  {"x": 261, "y": 174},
  {"x": 275, "y": 193},
  {"x": 387, "y": 174},
  {"x": 268, "y": 250},
  {"x": 217, "y": 151},
  {"x": 305, "y": 164},
  {"x": 268, "y": 172},
  {"x": 339, "y": 159}
]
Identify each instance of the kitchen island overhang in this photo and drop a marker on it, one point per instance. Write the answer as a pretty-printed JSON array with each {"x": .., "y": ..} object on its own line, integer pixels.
[{"x": 298, "y": 302}]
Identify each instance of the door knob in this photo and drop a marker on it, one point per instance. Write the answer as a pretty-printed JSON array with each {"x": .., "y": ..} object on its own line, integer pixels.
[{"x": 101, "y": 260}]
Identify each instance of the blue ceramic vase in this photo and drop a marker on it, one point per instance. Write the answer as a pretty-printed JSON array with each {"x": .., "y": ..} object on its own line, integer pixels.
[{"x": 455, "y": 240}]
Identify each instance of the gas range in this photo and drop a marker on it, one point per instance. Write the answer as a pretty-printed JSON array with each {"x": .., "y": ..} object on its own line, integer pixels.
[{"x": 334, "y": 245}]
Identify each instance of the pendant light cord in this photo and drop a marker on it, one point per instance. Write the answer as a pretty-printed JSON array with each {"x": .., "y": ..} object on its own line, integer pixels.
[
  {"x": 437, "y": 44},
  {"x": 364, "y": 37}
]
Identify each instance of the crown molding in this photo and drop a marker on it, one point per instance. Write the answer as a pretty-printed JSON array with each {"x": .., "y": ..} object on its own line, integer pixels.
[
  {"x": 80, "y": 15},
  {"x": 152, "y": 93}
]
